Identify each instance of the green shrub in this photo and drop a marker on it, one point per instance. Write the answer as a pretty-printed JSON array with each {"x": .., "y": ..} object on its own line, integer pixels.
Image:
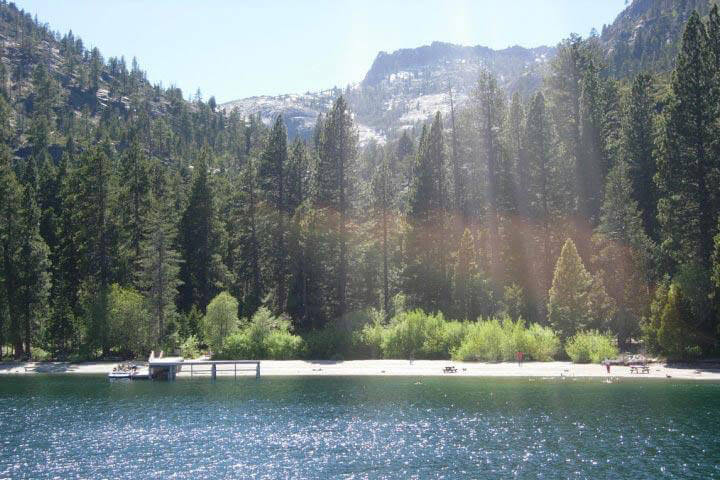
[
  {"x": 40, "y": 355},
  {"x": 129, "y": 321},
  {"x": 238, "y": 346},
  {"x": 591, "y": 347},
  {"x": 280, "y": 345},
  {"x": 494, "y": 340},
  {"x": 485, "y": 341},
  {"x": 266, "y": 336},
  {"x": 416, "y": 334},
  {"x": 371, "y": 338},
  {"x": 543, "y": 345},
  {"x": 220, "y": 320},
  {"x": 190, "y": 348}
]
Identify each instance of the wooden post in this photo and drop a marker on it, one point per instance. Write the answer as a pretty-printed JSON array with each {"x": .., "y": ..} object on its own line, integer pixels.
[
  {"x": 257, "y": 370},
  {"x": 213, "y": 371},
  {"x": 235, "y": 369}
]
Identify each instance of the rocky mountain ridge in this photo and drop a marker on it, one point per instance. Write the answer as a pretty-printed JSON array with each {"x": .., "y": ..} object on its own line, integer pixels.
[{"x": 405, "y": 87}]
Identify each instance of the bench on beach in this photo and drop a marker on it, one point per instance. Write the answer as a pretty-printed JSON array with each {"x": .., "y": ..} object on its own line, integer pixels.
[
  {"x": 450, "y": 369},
  {"x": 639, "y": 369}
]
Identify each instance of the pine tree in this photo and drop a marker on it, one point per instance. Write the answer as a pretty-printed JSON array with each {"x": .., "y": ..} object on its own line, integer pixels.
[
  {"x": 33, "y": 266},
  {"x": 688, "y": 171},
  {"x": 334, "y": 179},
  {"x": 272, "y": 179},
  {"x": 94, "y": 227},
  {"x": 159, "y": 265},
  {"x": 297, "y": 176},
  {"x": 133, "y": 201},
  {"x": 66, "y": 260},
  {"x": 674, "y": 336},
  {"x": 623, "y": 254},
  {"x": 382, "y": 206},
  {"x": 199, "y": 243},
  {"x": 576, "y": 300},
  {"x": 565, "y": 88},
  {"x": 244, "y": 214},
  {"x": 592, "y": 164},
  {"x": 10, "y": 243},
  {"x": 471, "y": 294},
  {"x": 458, "y": 180},
  {"x": 713, "y": 30},
  {"x": 94, "y": 239},
  {"x": 638, "y": 149},
  {"x": 425, "y": 275},
  {"x": 490, "y": 116},
  {"x": 547, "y": 202}
]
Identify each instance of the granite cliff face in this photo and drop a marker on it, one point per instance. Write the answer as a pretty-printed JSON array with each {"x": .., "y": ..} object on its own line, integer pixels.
[{"x": 406, "y": 87}]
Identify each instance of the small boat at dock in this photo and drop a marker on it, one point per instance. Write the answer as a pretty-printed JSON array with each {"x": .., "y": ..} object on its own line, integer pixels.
[{"x": 128, "y": 371}]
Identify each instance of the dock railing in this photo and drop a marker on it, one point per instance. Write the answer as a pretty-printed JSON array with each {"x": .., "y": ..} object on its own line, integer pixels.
[{"x": 215, "y": 367}]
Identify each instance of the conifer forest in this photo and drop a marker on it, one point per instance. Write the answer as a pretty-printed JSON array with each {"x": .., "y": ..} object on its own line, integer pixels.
[{"x": 134, "y": 217}]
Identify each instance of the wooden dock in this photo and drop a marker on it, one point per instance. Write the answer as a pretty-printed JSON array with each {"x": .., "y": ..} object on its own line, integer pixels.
[{"x": 169, "y": 367}]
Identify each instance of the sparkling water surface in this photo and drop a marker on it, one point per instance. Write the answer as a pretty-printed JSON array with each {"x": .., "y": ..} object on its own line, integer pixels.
[{"x": 72, "y": 426}]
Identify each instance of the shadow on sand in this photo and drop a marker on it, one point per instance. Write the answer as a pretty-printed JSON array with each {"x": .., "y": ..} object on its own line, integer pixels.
[{"x": 37, "y": 367}]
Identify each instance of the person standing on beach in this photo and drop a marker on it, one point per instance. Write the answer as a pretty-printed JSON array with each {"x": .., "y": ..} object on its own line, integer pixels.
[{"x": 606, "y": 362}]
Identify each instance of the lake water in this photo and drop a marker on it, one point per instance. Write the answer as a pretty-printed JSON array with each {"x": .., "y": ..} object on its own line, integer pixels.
[{"x": 62, "y": 426}]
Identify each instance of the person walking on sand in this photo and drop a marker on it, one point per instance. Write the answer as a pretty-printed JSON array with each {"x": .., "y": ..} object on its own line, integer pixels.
[{"x": 606, "y": 362}]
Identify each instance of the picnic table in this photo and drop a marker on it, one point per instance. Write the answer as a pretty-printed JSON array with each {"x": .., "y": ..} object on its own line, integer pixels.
[
  {"x": 639, "y": 369},
  {"x": 450, "y": 369}
]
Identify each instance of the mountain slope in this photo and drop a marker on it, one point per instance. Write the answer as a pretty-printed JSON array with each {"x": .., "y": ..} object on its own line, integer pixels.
[
  {"x": 647, "y": 34},
  {"x": 407, "y": 86}
]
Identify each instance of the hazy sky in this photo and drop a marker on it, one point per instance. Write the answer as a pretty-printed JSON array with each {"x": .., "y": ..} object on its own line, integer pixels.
[{"x": 237, "y": 48}]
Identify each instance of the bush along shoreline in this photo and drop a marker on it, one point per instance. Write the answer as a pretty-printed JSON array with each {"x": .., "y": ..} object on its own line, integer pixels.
[{"x": 413, "y": 334}]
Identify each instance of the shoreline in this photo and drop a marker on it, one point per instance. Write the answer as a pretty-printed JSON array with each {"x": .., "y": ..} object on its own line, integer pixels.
[{"x": 417, "y": 368}]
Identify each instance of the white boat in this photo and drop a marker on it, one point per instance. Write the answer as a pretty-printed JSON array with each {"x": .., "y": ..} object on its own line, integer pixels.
[{"x": 123, "y": 370}]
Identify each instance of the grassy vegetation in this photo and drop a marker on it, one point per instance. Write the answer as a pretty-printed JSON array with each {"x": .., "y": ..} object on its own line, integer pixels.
[
  {"x": 591, "y": 347},
  {"x": 499, "y": 340},
  {"x": 265, "y": 336}
]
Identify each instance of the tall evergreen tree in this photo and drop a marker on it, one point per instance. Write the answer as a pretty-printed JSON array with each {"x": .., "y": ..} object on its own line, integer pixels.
[
  {"x": 159, "y": 268},
  {"x": 490, "y": 116},
  {"x": 425, "y": 274},
  {"x": 592, "y": 163},
  {"x": 134, "y": 188},
  {"x": 638, "y": 149},
  {"x": 33, "y": 266},
  {"x": 297, "y": 176},
  {"x": 334, "y": 179},
  {"x": 199, "y": 243},
  {"x": 10, "y": 243},
  {"x": 471, "y": 295},
  {"x": 713, "y": 30},
  {"x": 382, "y": 207},
  {"x": 244, "y": 213},
  {"x": 576, "y": 300},
  {"x": 272, "y": 179},
  {"x": 688, "y": 170},
  {"x": 548, "y": 200},
  {"x": 623, "y": 254}
]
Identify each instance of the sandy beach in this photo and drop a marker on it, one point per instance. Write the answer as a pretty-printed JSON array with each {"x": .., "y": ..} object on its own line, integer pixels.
[{"x": 400, "y": 368}]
